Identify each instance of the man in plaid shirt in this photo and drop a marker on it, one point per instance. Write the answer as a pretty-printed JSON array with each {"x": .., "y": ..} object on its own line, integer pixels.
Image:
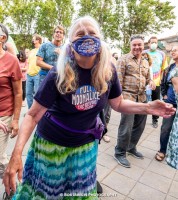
[{"x": 134, "y": 75}]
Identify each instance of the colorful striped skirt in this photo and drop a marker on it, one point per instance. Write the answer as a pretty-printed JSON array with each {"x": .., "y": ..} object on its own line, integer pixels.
[{"x": 53, "y": 172}]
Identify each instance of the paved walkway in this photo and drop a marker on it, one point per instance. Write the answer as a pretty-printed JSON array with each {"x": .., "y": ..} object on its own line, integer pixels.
[{"x": 147, "y": 179}]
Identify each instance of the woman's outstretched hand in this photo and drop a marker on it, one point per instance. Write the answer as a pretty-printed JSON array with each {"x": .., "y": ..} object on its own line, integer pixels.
[
  {"x": 15, "y": 166},
  {"x": 160, "y": 108}
]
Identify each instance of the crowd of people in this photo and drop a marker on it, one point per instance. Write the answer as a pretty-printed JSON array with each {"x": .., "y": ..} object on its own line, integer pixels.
[{"x": 68, "y": 86}]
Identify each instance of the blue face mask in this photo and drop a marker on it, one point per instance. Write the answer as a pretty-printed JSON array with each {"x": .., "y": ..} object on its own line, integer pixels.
[{"x": 87, "y": 45}]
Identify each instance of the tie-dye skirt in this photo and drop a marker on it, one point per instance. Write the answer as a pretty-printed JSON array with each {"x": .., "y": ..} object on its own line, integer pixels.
[{"x": 54, "y": 172}]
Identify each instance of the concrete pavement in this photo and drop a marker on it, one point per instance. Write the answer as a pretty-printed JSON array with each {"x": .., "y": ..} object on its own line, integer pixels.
[{"x": 147, "y": 179}]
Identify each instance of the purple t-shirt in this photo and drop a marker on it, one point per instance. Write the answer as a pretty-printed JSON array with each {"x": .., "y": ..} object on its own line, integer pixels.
[{"x": 77, "y": 110}]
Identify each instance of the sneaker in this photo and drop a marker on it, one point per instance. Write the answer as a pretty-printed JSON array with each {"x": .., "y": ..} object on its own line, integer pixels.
[
  {"x": 135, "y": 154},
  {"x": 155, "y": 124},
  {"x": 122, "y": 160},
  {"x": 8, "y": 197}
]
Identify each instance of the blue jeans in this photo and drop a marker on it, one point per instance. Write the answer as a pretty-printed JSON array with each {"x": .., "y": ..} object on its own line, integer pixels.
[
  {"x": 148, "y": 98},
  {"x": 32, "y": 85},
  {"x": 129, "y": 132},
  {"x": 42, "y": 77}
]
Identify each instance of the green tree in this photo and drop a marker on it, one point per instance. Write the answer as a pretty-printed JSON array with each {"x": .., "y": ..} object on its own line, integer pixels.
[
  {"x": 22, "y": 14},
  {"x": 105, "y": 13},
  {"x": 65, "y": 11},
  {"x": 46, "y": 18},
  {"x": 27, "y": 17},
  {"x": 21, "y": 19},
  {"x": 119, "y": 19},
  {"x": 145, "y": 17},
  {"x": 52, "y": 13},
  {"x": 2, "y": 12}
]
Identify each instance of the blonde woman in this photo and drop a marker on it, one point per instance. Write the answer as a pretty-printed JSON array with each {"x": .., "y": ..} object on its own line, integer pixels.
[{"x": 61, "y": 161}]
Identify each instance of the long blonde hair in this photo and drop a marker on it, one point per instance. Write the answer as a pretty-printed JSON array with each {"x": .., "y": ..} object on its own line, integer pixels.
[{"x": 67, "y": 79}]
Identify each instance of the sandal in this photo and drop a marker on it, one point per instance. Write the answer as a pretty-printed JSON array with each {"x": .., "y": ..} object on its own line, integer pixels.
[
  {"x": 160, "y": 156},
  {"x": 106, "y": 138}
]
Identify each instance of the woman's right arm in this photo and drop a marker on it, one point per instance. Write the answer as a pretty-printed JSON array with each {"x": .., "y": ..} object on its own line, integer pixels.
[{"x": 15, "y": 164}]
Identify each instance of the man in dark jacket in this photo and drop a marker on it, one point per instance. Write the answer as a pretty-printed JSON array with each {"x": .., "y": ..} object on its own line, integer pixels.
[{"x": 169, "y": 97}]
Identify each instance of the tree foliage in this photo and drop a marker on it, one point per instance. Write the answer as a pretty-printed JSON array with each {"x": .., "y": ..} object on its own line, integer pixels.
[
  {"x": 145, "y": 17},
  {"x": 105, "y": 13},
  {"x": 119, "y": 19},
  {"x": 26, "y": 17},
  {"x": 3, "y": 11},
  {"x": 52, "y": 13}
]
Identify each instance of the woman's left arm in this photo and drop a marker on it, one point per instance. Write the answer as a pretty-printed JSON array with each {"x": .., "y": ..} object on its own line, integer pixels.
[
  {"x": 17, "y": 91},
  {"x": 130, "y": 107}
]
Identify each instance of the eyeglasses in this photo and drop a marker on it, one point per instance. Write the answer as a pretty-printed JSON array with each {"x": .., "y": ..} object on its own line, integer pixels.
[
  {"x": 137, "y": 37},
  {"x": 173, "y": 50},
  {"x": 57, "y": 32}
]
